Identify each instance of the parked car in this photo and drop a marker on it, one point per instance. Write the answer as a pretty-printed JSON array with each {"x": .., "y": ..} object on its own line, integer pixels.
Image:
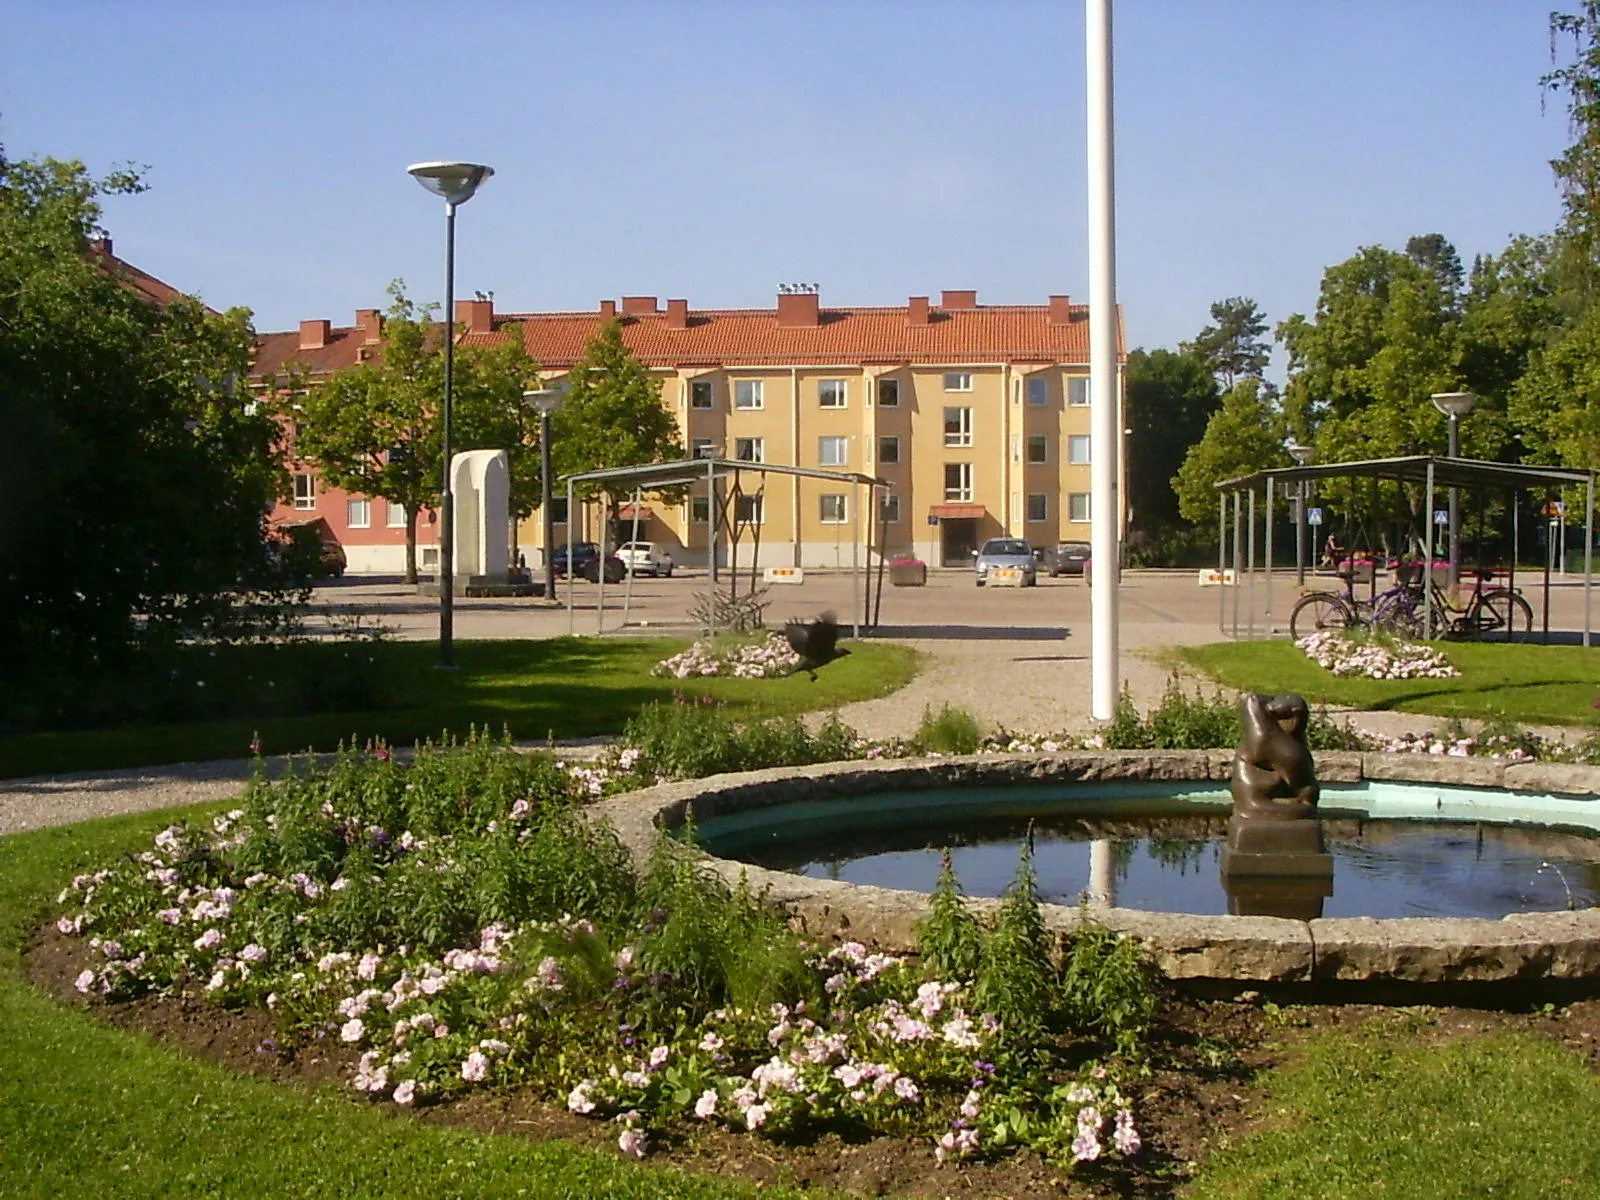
[
  {"x": 586, "y": 563},
  {"x": 307, "y": 551},
  {"x": 648, "y": 558},
  {"x": 1009, "y": 554},
  {"x": 1064, "y": 558}
]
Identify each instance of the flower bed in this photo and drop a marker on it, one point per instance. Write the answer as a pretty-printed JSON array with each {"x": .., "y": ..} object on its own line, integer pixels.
[
  {"x": 1375, "y": 658},
  {"x": 766, "y": 660}
]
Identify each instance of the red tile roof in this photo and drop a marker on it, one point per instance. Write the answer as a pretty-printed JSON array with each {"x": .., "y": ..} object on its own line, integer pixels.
[
  {"x": 276, "y": 353},
  {"x": 142, "y": 282}
]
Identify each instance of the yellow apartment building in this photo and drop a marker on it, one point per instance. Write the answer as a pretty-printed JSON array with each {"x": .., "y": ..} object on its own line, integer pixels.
[{"x": 976, "y": 415}]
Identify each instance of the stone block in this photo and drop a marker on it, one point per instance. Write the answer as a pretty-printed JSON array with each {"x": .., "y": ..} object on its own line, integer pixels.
[
  {"x": 1570, "y": 779},
  {"x": 1435, "y": 768}
]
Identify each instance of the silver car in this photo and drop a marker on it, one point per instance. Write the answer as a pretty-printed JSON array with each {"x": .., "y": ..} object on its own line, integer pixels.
[
  {"x": 646, "y": 558},
  {"x": 1007, "y": 554}
]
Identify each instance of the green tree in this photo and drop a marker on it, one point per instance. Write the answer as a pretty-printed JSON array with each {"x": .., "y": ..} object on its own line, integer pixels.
[
  {"x": 137, "y": 476},
  {"x": 612, "y": 414},
  {"x": 1234, "y": 346},
  {"x": 1168, "y": 399},
  {"x": 1577, "y": 169},
  {"x": 1244, "y": 435}
]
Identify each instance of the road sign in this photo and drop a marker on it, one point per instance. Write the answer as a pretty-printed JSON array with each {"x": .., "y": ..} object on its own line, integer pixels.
[
  {"x": 933, "y": 519},
  {"x": 1313, "y": 516},
  {"x": 1441, "y": 516}
]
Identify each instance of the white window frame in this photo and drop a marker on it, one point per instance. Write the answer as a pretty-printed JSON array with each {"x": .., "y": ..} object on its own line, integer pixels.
[
  {"x": 961, "y": 493},
  {"x": 839, "y": 503},
  {"x": 962, "y": 435},
  {"x": 750, "y": 510},
  {"x": 1037, "y": 388},
  {"x": 1080, "y": 450},
  {"x": 699, "y": 510},
  {"x": 396, "y": 514},
  {"x": 840, "y": 389},
  {"x": 702, "y": 448},
  {"x": 888, "y": 439},
  {"x": 833, "y": 451},
  {"x": 1041, "y": 443},
  {"x": 754, "y": 446},
  {"x": 698, "y": 387},
  {"x": 1042, "y": 507},
  {"x": 894, "y": 388},
  {"x": 1077, "y": 391},
  {"x": 958, "y": 381},
  {"x": 305, "y": 491},
  {"x": 749, "y": 394},
  {"x": 889, "y": 508},
  {"x": 1076, "y": 502},
  {"x": 353, "y": 505}
]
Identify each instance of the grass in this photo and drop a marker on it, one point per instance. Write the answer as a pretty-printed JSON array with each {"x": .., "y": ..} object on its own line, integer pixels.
[
  {"x": 1375, "y": 1114},
  {"x": 1531, "y": 685},
  {"x": 92, "y": 1111},
  {"x": 558, "y": 687}
]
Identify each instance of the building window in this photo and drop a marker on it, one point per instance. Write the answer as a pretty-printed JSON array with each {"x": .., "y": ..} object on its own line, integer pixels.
[
  {"x": 747, "y": 393},
  {"x": 1038, "y": 391},
  {"x": 305, "y": 491},
  {"x": 833, "y": 451},
  {"x": 958, "y": 427},
  {"x": 958, "y": 481},
  {"x": 299, "y": 430},
  {"x": 833, "y": 510},
  {"x": 888, "y": 450},
  {"x": 889, "y": 508},
  {"x": 888, "y": 393},
  {"x": 750, "y": 449},
  {"x": 700, "y": 393},
  {"x": 358, "y": 513},
  {"x": 1078, "y": 391},
  {"x": 958, "y": 381},
  {"x": 558, "y": 510},
  {"x": 831, "y": 393},
  {"x": 750, "y": 510},
  {"x": 397, "y": 515},
  {"x": 1038, "y": 448},
  {"x": 699, "y": 510},
  {"x": 702, "y": 448},
  {"x": 1078, "y": 506},
  {"x": 1078, "y": 449},
  {"x": 1038, "y": 506}
]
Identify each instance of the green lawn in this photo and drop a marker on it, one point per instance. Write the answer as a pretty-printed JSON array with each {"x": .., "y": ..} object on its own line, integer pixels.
[
  {"x": 1532, "y": 685},
  {"x": 558, "y": 687}
]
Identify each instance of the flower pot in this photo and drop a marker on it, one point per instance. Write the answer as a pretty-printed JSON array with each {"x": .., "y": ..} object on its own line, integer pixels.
[{"x": 908, "y": 574}]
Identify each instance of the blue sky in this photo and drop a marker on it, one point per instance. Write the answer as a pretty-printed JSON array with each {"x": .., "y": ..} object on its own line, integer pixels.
[{"x": 712, "y": 150}]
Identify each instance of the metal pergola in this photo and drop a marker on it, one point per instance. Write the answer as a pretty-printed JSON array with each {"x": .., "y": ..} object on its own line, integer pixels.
[
  {"x": 1425, "y": 470},
  {"x": 652, "y": 477}
]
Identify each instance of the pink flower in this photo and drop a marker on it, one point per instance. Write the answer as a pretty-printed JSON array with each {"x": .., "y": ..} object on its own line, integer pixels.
[
  {"x": 706, "y": 1106},
  {"x": 84, "y": 981},
  {"x": 631, "y": 1142},
  {"x": 476, "y": 1068},
  {"x": 406, "y": 1093},
  {"x": 352, "y": 1030}
]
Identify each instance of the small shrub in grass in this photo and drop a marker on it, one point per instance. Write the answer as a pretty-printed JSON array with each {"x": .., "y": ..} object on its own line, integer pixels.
[
  {"x": 1014, "y": 979},
  {"x": 950, "y": 939},
  {"x": 949, "y": 731},
  {"x": 1108, "y": 985},
  {"x": 690, "y": 739}
]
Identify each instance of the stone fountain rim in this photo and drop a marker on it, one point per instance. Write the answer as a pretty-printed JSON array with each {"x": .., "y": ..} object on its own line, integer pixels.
[{"x": 1520, "y": 948}]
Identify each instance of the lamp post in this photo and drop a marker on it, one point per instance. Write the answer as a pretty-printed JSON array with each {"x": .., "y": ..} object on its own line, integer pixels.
[
  {"x": 455, "y": 182},
  {"x": 1301, "y": 455},
  {"x": 1454, "y": 405},
  {"x": 546, "y": 400}
]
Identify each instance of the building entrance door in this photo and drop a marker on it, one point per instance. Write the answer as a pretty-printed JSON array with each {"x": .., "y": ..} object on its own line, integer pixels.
[{"x": 958, "y": 538}]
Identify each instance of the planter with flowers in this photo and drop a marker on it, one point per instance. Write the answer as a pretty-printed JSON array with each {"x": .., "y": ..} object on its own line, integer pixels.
[{"x": 907, "y": 570}]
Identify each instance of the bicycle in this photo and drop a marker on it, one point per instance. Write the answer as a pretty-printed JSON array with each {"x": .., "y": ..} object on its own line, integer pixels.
[
  {"x": 1393, "y": 610},
  {"x": 1486, "y": 610}
]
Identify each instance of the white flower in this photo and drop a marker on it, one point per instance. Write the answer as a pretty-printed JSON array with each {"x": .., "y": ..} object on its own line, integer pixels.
[
  {"x": 706, "y": 1106},
  {"x": 352, "y": 1030}
]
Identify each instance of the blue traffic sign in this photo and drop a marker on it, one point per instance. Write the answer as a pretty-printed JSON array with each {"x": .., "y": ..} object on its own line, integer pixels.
[{"x": 1313, "y": 516}]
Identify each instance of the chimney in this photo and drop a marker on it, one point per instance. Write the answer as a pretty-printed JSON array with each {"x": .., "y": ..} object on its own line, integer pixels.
[
  {"x": 797, "y": 310},
  {"x": 677, "y": 314},
  {"x": 101, "y": 245},
  {"x": 917, "y": 310},
  {"x": 314, "y": 334},
  {"x": 638, "y": 306},
  {"x": 475, "y": 316},
  {"x": 955, "y": 301},
  {"x": 1060, "y": 310},
  {"x": 370, "y": 322},
  {"x": 608, "y": 309}
]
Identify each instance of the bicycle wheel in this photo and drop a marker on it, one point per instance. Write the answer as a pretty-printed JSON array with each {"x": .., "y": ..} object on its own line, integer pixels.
[
  {"x": 1393, "y": 613},
  {"x": 1501, "y": 611},
  {"x": 1318, "y": 611}
]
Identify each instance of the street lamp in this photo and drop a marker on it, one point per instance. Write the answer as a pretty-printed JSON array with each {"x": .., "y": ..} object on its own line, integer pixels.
[
  {"x": 455, "y": 182},
  {"x": 1454, "y": 405},
  {"x": 1301, "y": 455},
  {"x": 546, "y": 400}
]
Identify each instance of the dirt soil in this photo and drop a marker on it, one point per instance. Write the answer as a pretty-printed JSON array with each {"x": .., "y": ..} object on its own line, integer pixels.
[{"x": 1203, "y": 1093}]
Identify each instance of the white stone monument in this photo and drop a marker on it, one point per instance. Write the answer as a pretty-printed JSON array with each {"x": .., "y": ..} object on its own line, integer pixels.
[{"x": 481, "y": 482}]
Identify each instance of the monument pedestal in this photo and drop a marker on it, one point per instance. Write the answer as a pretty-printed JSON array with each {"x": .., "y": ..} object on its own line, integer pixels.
[{"x": 1276, "y": 868}]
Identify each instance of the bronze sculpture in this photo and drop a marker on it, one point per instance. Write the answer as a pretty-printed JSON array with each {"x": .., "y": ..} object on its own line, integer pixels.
[{"x": 1274, "y": 777}]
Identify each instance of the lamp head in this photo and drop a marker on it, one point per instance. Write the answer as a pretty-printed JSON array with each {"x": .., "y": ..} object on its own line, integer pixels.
[
  {"x": 454, "y": 181},
  {"x": 1300, "y": 454},
  {"x": 545, "y": 400},
  {"x": 1454, "y": 404}
]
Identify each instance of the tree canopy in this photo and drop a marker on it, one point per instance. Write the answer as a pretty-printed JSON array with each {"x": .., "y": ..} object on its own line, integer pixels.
[
  {"x": 1168, "y": 399},
  {"x": 1244, "y": 435},
  {"x": 1234, "y": 345}
]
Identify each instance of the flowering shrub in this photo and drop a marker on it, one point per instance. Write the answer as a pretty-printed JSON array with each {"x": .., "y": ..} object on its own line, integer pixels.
[
  {"x": 1375, "y": 658},
  {"x": 765, "y": 660}
]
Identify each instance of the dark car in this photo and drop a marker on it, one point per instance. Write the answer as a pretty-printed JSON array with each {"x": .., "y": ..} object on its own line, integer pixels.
[
  {"x": 586, "y": 563},
  {"x": 1065, "y": 558}
]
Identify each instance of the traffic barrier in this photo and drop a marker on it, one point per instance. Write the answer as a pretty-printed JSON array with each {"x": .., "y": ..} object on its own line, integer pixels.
[
  {"x": 783, "y": 575},
  {"x": 1212, "y": 577}
]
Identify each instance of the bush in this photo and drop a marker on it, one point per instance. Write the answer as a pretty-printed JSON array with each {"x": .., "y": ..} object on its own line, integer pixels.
[
  {"x": 951, "y": 731},
  {"x": 690, "y": 739}
]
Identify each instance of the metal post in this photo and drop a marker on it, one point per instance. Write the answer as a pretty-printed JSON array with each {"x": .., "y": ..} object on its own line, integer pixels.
[
  {"x": 1250, "y": 568},
  {"x": 547, "y": 501},
  {"x": 572, "y": 592},
  {"x": 1427, "y": 557},
  {"x": 1222, "y": 563},
  {"x": 711, "y": 549},
  {"x": 447, "y": 508},
  {"x": 1238, "y": 557},
  {"x": 1300, "y": 533},
  {"x": 1588, "y": 552},
  {"x": 1455, "y": 514},
  {"x": 1267, "y": 556},
  {"x": 855, "y": 566}
]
